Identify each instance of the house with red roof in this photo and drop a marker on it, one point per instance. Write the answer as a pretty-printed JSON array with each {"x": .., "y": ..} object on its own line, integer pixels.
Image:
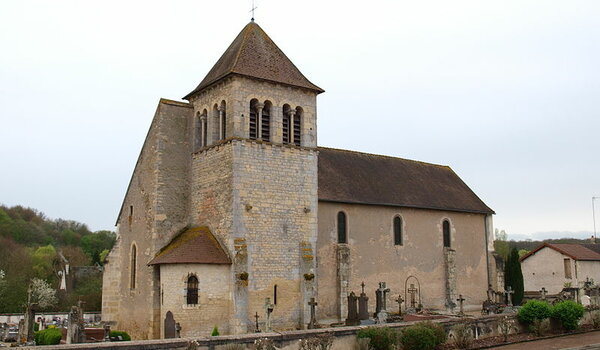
[{"x": 554, "y": 266}]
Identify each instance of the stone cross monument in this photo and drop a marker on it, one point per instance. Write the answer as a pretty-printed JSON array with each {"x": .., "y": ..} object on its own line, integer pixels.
[{"x": 268, "y": 310}]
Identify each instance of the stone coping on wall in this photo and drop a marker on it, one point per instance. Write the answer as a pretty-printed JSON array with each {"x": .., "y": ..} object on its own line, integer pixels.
[{"x": 277, "y": 337}]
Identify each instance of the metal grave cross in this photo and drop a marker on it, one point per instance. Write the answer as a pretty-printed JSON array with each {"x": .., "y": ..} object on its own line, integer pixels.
[
  {"x": 399, "y": 300},
  {"x": 257, "y": 329},
  {"x": 362, "y": 285}
]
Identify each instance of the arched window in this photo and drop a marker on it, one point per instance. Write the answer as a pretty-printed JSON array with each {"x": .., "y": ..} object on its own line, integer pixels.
[
  {"x": 192, "y": 290},
  {"x": 297, "y": 126},
  {"x": 342, "y": 229},
  {"x": 197, "y": 132},
  {"x": 265, "y": 121},
  {"x": 286, "y": 124},
  {"x": 133, "y": 266},
  {"x": 223, "y": 121},
  {"x": 253, "y": 119},
  {"x": 446, "y": 229},
  {"x": 397, "y": 230}
]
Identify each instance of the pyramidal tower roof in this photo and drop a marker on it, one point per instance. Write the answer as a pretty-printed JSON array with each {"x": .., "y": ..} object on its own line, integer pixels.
[{"x": 254, "y": 54}]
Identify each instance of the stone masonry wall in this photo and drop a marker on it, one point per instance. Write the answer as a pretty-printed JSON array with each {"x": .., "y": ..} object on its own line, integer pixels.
[
  {"x": 275, "y": 211},
  {"x": 214, "y": 298},
  {"x": 158, "y": 178},
  {"x": 374, "y": 257}
]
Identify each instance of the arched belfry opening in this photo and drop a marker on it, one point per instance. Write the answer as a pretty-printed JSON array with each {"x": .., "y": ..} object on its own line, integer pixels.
[
  {"x": 287, "y": 131},
  {"x": 222, "y": 120},
  {"x": 253, "y": 129}
]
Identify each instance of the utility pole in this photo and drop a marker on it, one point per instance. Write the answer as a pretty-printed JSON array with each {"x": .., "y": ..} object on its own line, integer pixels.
[{"x": 594, "y": 215}]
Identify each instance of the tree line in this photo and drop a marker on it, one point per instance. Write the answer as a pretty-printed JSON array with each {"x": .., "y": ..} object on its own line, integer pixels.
[{"x": 30, "y": 244}]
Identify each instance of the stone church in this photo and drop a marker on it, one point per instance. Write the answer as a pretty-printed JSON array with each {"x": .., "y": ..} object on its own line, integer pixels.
[{"x": 232, "y": 202}]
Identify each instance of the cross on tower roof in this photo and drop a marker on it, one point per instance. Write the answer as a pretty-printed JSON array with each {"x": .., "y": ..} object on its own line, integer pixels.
[{"x": 252, "y": 10}]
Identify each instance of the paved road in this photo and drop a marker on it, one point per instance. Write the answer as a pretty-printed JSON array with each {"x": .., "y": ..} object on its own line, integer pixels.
[{"x": 577, "y": 341}]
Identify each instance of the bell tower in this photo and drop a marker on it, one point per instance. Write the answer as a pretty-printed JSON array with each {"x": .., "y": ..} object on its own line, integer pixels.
[{"x": 254, "y": 177}]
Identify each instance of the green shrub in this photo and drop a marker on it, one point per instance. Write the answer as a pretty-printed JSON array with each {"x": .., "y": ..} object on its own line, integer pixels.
[
  {"x": 534, "y": 310},
  {"x": 568, "y": 313},
  {"x": 50, "y": 336},
  {"x": 114, "y": 336},
  {"x": 418, "y": 337},
  {"x": 215, "y": 332},
  {"x": 437, "y": 329},
  {"x": 382, "y": 338}
]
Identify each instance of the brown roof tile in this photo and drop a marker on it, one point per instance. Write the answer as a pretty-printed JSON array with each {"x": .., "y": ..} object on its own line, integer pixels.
[
  {"x": 255, "y": 55},
  {"x": 575, "y": 251},
  {"x": 353, "y": 177},
  {"x": 193, "y": 246}
]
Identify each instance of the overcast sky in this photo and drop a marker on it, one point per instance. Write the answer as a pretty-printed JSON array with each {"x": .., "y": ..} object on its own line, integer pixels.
[{"x": 505, "y": 92}]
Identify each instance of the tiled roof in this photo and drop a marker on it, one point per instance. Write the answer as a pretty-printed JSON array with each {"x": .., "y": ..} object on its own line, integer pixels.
[
  {"x": 193, "y": 246},
  {"x": 574, "y": 251},
  {"x": 254, "y": 54},
  {"x": 353, "y": 177}
]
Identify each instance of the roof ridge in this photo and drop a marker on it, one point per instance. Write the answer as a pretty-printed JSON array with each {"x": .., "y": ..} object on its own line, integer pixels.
[{"x": 383, "y": 156}]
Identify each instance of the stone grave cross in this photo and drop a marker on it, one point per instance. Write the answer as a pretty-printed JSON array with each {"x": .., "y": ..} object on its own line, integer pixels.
[
  {"x": 413, "y": 298},
  {"x": 257, "y": 329},
  {"x": 543, "y": 292},
  {"x": 313, "y": 321},
  {"x": 509, "y": 292},
  {"x": 460, "y": 303},
  {"x": 363, "y": 304},
  {"x": 268, "y": 310},
  {"x": 399, "y": 300},
  {"x": 491, "y": 293}
]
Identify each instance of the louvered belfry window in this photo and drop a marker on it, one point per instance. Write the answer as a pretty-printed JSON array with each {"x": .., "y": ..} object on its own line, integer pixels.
[
  {"x": 192, "y": 290},
  {"x": 266, "y": 123},
  {"x": 297, "y": 123},
  {"x": 286, "y": 129},
  {"x": 253, "y": 123}
]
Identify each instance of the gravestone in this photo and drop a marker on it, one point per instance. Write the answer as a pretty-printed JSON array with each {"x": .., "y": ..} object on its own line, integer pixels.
[
  {"x": 363, "y": 304},
  {"x": 491, "y": 294},
  {"x": 352, "y": 319},
  {"x": 313, "y": 321},
  {"x": 461, "y": 300},
  {"x": 177, "y": 330},
  {"x": 170, "y": 331},
  {"x": 543, "y": 292},
  {"x": 76, "y": 329},
  {"x": 381, "y": 298},
  {"x": 268, "y": 310},
  {"x": 586, "y": 300},
  {"x": 509, "y": 292},
  {"x": 106, "y": 332}
]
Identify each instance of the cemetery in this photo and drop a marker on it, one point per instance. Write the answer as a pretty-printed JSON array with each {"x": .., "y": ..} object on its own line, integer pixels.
[{"x": 409, "y": 324}]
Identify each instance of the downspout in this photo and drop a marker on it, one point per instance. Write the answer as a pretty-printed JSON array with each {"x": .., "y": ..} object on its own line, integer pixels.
[{"x": 486, "y": 221}]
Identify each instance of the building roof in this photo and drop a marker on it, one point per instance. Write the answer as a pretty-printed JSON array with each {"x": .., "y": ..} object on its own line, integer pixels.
[
  {"x": 254, "y": 54},
  {"x": 193, "y": 246},
  {"x": 574, "y": 251},
  {"x": 353, "y": 177}
]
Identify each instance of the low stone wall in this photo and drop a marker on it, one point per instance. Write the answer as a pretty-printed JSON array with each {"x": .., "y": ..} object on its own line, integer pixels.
[
  {"x": 345, "y": 337},
  {"x": 92, "y": 316}
]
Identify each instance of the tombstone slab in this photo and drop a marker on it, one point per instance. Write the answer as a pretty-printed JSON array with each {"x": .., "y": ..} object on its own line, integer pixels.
[
  {"x": 170, "y": 330},
  {"x": 352, "y": 319},
  {"x": 363, "y": 305}
]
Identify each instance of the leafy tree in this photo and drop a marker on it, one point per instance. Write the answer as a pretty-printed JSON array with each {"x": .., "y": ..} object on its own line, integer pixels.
[
  {"x": 43, "y": 259},
  {"x": 513, "y": 276},
  {"x": 41, "y": 294},
  {"x": 75, "y": 256},
  {"x": 15, "y": 261},
  {"x": 523, "y": 252},
  {"x": 97, "y": 242}
]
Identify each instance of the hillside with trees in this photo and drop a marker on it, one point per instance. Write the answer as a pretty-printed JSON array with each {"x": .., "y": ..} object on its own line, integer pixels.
[{"x": 31, "y": 246}]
